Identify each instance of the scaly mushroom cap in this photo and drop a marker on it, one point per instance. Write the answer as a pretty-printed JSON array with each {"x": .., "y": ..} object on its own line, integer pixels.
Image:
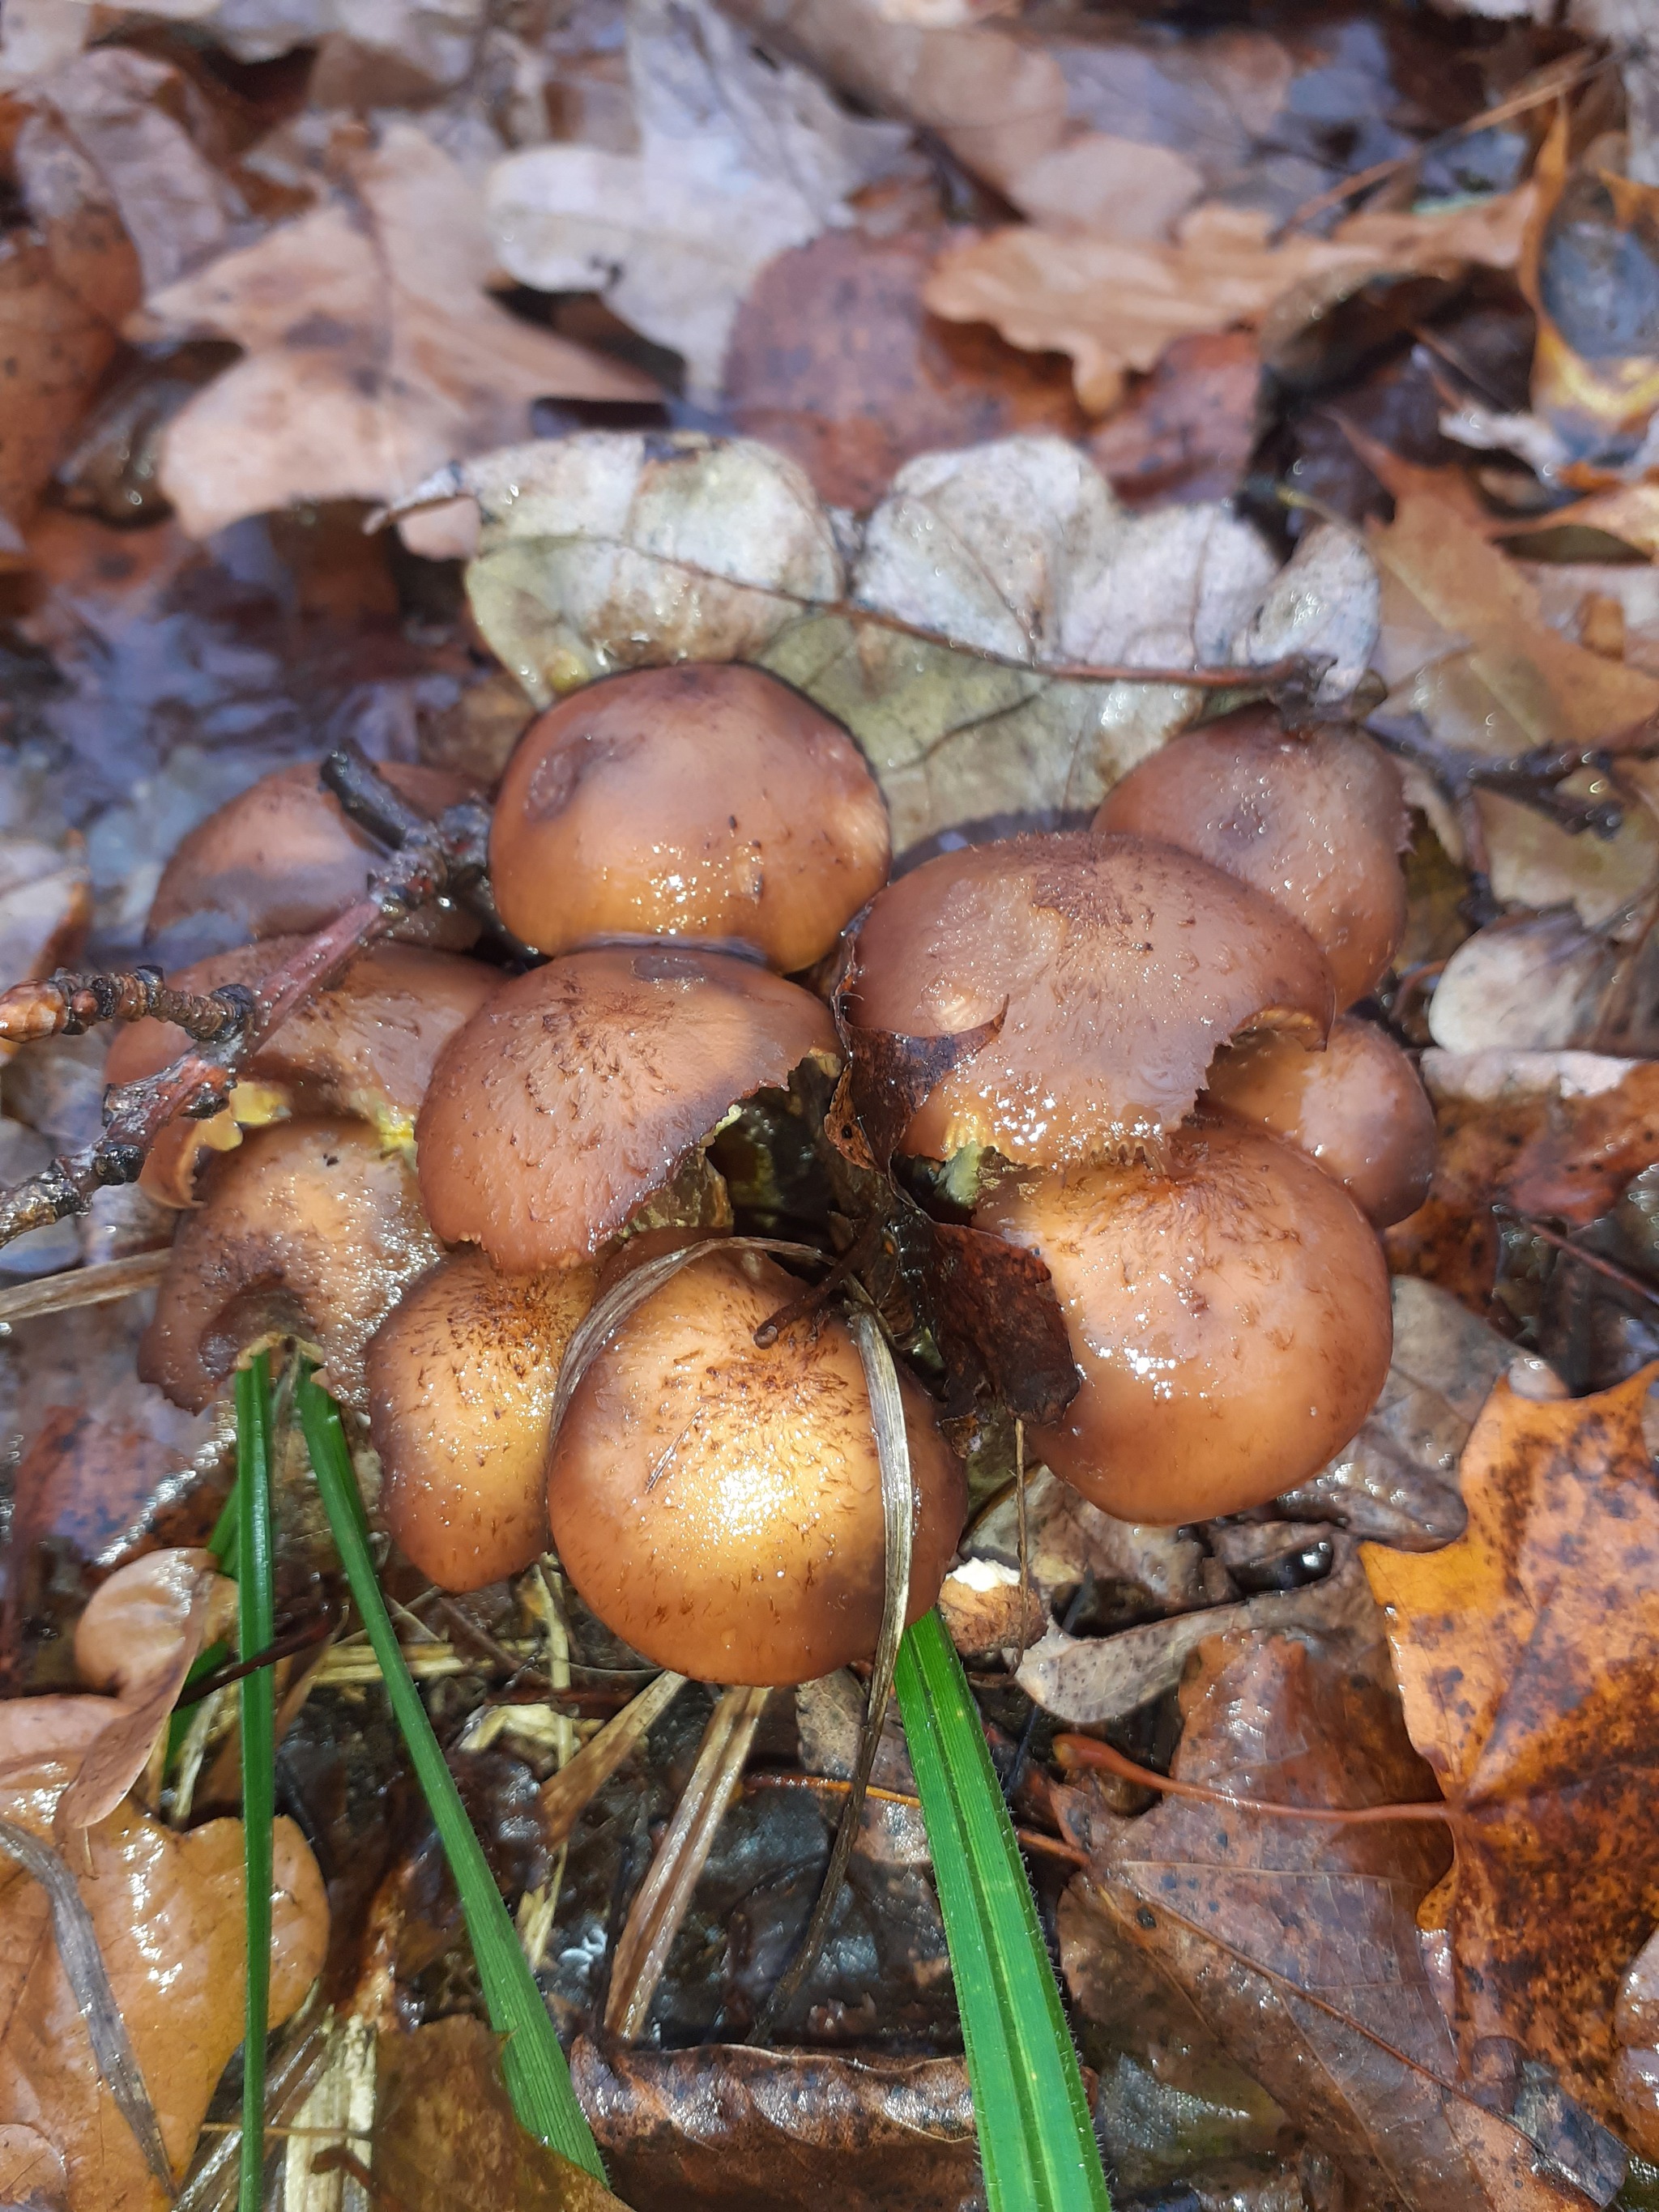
[
  {"x": 365, "y": 1046},
  {"x": 283, "y": 857},
  {"x": 579, "y": 1089},
  {"x": 460, "y": 1386},
  {"x": 1230, "y": 1319},
  {"x": 1356, "y": 1108},
  {"x": 720, "y": 1506},
  {"x": 1317, "y": 824},
  {"x": 1116, "y": 967},
  {"x": 308, "y": 1228},
  {"x": 704, "y": 800}
]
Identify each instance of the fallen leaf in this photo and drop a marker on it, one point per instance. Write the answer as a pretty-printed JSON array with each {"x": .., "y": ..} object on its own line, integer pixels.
[
  {"x": 168, "y": 1913},
  {"x": 446, "y": 2133},
  {"x": 1527, "y": 1655},
  {"x": 1188, "y": 430},
  {"x": 1296, "y": 1940},
  {"x": 835, "y": 363},
  {"x": 1114, "y": 305},
  {"x": 437, "y": 38},
  {"x": 372, "y": 355},
  {"x": 734, "y": 2129},
  {"x": 1463, "y": 644},
  {"x": 1528, "y": 982},
  {"x": 737, "y": 160}
]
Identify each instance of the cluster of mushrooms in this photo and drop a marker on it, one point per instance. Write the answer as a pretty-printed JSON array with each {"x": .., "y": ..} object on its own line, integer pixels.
[{"x": 433, "y": 1171}]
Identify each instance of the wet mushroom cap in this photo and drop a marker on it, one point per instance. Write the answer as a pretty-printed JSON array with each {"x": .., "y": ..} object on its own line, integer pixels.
[
  {"x": 706, "y": 801},
  {"x": 1317, "y": 824},
  {"x": 309, "y": 1229},
  {"x": 461, "y": 1387},
  {"x": 1358, "y": 1107},
  {"x": 1116, "y": 968},
  {"x": 578, "y": 1088},
  {"x": 365, "y": 1046},
  {"x": 282, "y": 858},
  {"x": 1230, "y": 1319},
  {"x": 720, "y": 1506}
]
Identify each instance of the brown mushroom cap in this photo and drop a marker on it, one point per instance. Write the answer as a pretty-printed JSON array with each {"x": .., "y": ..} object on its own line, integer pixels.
[
  {"x": 308, "y": 1228},
  {"x": 704, "y": 800},
  {"x": 1356, "y": 1108},
  {"x": 1230, "y": 1319},
  {"x": 1317, "y": 824},
  {"x": 461, "y": 1388},
  {"x": 720, "y": 1506},
  {"x": 1117, "y": 968},
  {"x": 283, "y": 857},
  {"x": 577, "y": 1090},
  {"x": 365, "y": 1046}
]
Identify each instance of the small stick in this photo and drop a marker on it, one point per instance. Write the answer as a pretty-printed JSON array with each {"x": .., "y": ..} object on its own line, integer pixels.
[{"x": 1076, "y": 1750}]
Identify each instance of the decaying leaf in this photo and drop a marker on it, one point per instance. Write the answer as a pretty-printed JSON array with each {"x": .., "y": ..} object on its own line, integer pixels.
[
  {"x": 372, "y": 355},
  {"x": 1297, "y": 1940},
  {"x": 602, "y": 551},
  {"x": 444, "y": 2132},
  {"x": 1114, "y": 304},
  {"x": 1528, "y": 1654},
  {"x": 737, "y": 160},
  {"x": 166, "y": 1910}
]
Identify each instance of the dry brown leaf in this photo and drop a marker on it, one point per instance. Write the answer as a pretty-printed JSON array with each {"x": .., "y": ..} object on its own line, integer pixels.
[
  {"x": 168, "y": 1915},
  {"x": 1528, "y": 1654},
  {"x": 1297, "y": 1940},
  {"x": 1114, "y": 305},
  {"x": 1187, "y": 432},
  {"x": 373, "y": 355}
]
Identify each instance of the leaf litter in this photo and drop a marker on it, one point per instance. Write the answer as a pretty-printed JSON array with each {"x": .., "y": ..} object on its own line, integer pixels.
[{"x": 954, "y": 363}]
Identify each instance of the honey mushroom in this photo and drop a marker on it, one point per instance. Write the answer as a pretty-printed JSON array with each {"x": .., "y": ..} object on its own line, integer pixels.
[
  {"x": 283, "y": 857},
  {"x": 460, "y": 1379},
  {"x": 310, "y": 1230},
  {"x": 1358, "y": 1109},
  {"x": 577, "y": 1090},
  {"x": 703, "y": 801},
  {"x": 1114, "y": 968},
  {"x": 719, "y": 1505},
  {"x": 1317, "y": 824},
  {"x": 1229, "y": 1314}
]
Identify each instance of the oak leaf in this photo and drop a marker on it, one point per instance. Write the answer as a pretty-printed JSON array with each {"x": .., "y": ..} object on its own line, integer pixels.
[
  {"x": 372, "y": 353},
  {"x": 1528, "y": 1654}
]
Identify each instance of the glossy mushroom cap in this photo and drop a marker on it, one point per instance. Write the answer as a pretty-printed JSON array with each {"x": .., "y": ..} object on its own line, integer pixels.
[
  {"x": 308, "y": 1229},
  {"x": 704, "y": 800},
  {"x": 365, "y": 1046},
  {"x": 1231, "y": 1321},
  {"x": 1116, "y": 968},
  {"x": 283, "y": 857},
  {"x": 460, "y": 1386},
  {"x": 1356, "y": 1108},
  {"x": 720, "y": 1506},
  {"x": 1317, "y": 824},
  {"x": 579, "y": 1089}
]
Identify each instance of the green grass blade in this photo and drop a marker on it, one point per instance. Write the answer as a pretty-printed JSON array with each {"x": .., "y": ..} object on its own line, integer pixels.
[
  {"x": 257, "y": 1603},
  {"x": 1036, "y": 2141},
  {"x": 536, "y": 2075}
]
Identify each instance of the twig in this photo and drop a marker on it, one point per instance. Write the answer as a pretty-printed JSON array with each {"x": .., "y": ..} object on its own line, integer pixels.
[
  {"x": 1075, "y": 1750},
  {"x": 83, "y": 1286},
  {"x": 835, "y": 1785},
  {"x": 1632, "y": 1285},
  {"x": 1531, "y": 777},
  {"x": 433, "y": 859}
]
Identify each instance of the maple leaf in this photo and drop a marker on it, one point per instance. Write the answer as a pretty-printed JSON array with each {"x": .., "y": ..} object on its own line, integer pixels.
[
  {"x": 372, "y": 356},
  {"x": 1297, "y": 1940},
  {"x": 1527, "y": 1656}
]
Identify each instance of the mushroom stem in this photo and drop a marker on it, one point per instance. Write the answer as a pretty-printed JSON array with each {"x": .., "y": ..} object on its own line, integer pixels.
[{"x": 433, "y": 859}]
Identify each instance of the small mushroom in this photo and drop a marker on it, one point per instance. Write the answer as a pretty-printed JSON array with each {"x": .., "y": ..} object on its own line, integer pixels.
[
  {"x": 1111, "y": 969},
  {"x": 704, "y": 800},
  {"x": 366, "y": 1046},
  {"x": 308, "y": 1229},
  {"x": 579, "y": 1089},
  {"x": 282, "y": 858},
  {"x": 720, "y": 1506},
  {"x": 1356, "y": 1108},
  {"x": 461, "y": 1387},
  {"x": 1229, "y": 1318},
  {"x": 1317, "y": 824}
]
